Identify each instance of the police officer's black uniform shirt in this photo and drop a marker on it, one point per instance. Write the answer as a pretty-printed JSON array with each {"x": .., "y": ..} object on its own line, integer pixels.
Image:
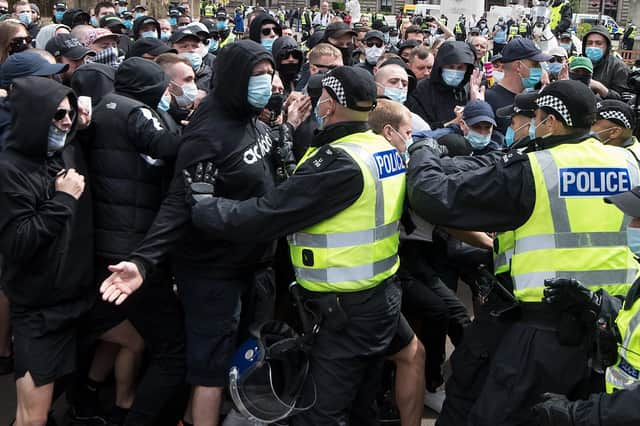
[
  {"x": 322, "y": 186},
  {"x": 490, "y": 198}
]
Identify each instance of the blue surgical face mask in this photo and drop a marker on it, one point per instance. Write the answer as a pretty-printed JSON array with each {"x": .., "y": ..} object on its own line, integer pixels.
[
  {"x": 452, "y": 78},
  {"x": 165, "y": 103},
  {"x": 555, "y": 68},
  {"x": 25, "y": 17},
  {"x": 59, "y": 14},
  {"x": 195, "y": 58},
  {"x": 189, "y": 94},
  {"x": 149, "y": 34},
  {"x": 509, "y": 137},
  {"x": 173, "y": 22},
  {"x": 594, "y": 53},
  {"x": 94, "y": 21},
  {"x": 122, "y": 9},
  {"x": 259, "y": 90},
  {"x": 477, "y": 140},
  {"x": 267, "y": 43},
  {"x": 165, "y": 35},
  {"x": 532, "y": 128},
  {"x": 396, "y": 94},
  {"x": 139, "y": 15},
  {"x": 56, "y": 139},
  {"x": 316, "y": 115},
  {"x": 535, "y": 74},
  {"x": 221, "y": 25},
  {"x": 633, "y": 240},
  {"x": 213, "y": 46},
  {"x": 128, "y": 23},
  {"x": 566, "y": 46}
]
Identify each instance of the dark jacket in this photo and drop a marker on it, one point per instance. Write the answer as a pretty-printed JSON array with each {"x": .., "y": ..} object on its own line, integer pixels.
[
  {"x": 433, "y": 100},
  {"x": 288, "y": 72},
  {"x": 93, "y": 80},
  {"x": 258, "y": 22},
  {"x": 610, "y": 70},
  {"x": 5, "y": 120},
  {"x": 224, "y": 130},
  {"x": 128, "y": 180},
  {"x": 45, "y": 236},
  {"x": 135, "y": 30}
]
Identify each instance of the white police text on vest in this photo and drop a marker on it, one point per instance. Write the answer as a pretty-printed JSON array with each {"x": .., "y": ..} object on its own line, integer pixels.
[
  {"x": 389, "y": 163},
  {"x": 593, "y": 181}
]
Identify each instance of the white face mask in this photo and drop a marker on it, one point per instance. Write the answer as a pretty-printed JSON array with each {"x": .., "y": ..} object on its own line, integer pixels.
[
  {"x": 498, "y": 76},
  {"x": 373, "y": 54}
]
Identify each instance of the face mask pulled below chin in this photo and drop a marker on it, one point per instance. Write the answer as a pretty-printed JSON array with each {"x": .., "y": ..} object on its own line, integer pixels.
[
  {"x": 56, "y": 139},
  {"x": 633, "y": 240},
  {"x": 259, "y": 90},
  {"x": 108, "y": 56}
]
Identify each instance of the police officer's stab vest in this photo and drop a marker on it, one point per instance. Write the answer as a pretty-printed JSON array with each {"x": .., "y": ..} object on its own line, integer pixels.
[
  {"x": 572, "y": 232},
  {"x": 632, "y": 35},
  {"x": 513, "y": 30},
  {"x": 625, "y": 374},
  {"x": 556, "y": 16},
  {"x": 230, "y": 39},
  {"x": 356, "y": 249},
  {"x": 522, "y": 29}
]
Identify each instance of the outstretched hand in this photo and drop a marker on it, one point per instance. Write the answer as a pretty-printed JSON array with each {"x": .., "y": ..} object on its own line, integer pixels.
[{"x": 125, "y": 279}]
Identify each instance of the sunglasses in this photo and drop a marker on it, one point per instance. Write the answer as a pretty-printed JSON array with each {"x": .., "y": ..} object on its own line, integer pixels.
[
  {"x": 325, "y": 67},
  {"x": 21, "y": 40},
  {"x": 268, "y": 30},
  {"x": 555, "y": 59},
  {"x": 376, "y": 43},
  {"x": 62, "y": 113}
]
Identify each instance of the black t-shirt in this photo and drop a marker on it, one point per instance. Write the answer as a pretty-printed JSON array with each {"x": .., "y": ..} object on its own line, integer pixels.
[{"x": 499, "y": 97}]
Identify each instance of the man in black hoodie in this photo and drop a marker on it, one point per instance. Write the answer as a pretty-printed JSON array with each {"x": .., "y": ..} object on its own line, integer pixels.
[
  {"x": 130, "y": 159},
  {"x": 288, "y": 58},
  {"x": 212, "y": 273},
  {"x": 265, "y": 29},
  {"x": 436, "y": 97},
  {"x": 607, "y": 68},
  {"x": 46, "y": 238}
]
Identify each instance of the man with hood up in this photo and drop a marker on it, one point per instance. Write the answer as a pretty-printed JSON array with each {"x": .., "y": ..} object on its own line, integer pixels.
[
  {"x": 46, "y": 240},
  {"x": 129, "y": 158},
  {"x": 288, "y": 58},
  {"x": 436, "y": 97},
  {"x": 223, "y": 138},
  {"x": 265, "y": 29},
  {"x": 607, "y": 68}
]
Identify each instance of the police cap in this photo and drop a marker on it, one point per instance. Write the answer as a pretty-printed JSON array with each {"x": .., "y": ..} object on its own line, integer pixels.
[
  {"x": 570, "y": 100},
  {"x": 617, "y": 112},
  {"x": 353, "y": 88}
]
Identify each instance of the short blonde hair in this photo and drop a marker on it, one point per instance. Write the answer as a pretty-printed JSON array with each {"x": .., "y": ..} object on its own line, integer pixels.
[
  {"x": 323, "y": 49},
  {"x": 388, "y": 112}
]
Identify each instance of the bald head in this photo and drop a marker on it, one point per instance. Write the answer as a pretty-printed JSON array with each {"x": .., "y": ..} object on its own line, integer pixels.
[{"x": 82, "y": 33}]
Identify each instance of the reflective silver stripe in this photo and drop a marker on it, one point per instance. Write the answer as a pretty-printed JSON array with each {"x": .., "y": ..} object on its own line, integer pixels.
[
  {"x": 503, "y": 259},
  {"x": 353, "y": 273},
  {"x": 558, "y": 205},
  {"x": 370, "y": 162},
  {"x": 344, "y": 239},
  {"x": 587, "y": 278},
  {"x": 570, "y": 240},
  {"x": 633, "y": 325},
  {"x": 619, "y": 379}
]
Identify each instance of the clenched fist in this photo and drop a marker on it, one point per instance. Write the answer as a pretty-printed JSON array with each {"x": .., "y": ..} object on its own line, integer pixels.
[{"x": 71, "y": 182}]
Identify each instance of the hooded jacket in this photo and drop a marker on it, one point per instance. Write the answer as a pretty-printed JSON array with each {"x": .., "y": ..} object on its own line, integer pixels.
[
  {"x": 432, "y": 99},
  {"x": 288, "y": 72},
  {"x": 135, "y": 30},
  {"x": 45, "y": 235},
  {"x": 225, "y": 131},
  {"x": 258, "y": 22},
  {"x": 610, "y": 70},
  {"x": 129, "y": 155},
  {"x": 93, "y": 80}
]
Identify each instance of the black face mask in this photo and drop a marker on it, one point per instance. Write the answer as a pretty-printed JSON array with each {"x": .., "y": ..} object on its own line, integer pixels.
[
  {"x": 3, "y": 11},
  {"x": 19, "y": 45},
  {"x": 347, "y": 53},
  {"x": 275, "y": 103},
  {"x": 288, "y": 71},
  {"x": 586, "y": 79}
]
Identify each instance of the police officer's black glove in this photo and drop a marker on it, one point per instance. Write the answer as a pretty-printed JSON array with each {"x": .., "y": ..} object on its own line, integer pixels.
[
  {"x": 201, "y": 186},
  {"x": 428, "y": 143},
  {"x": 569, "y": 295},
  {"x": 554, "y": 410}
]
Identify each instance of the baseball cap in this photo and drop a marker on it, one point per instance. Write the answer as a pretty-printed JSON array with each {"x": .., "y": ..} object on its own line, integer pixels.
[
  {"x": 68, "y": 46},
  {"x": 628, "y": 202},
  {"x": 474, "y": 30},
  {"x": 408, "y": 44},
  {"x": 495, "y": 58},
  {"x": 353, "y": 88},
  {"x": 618, "y": 112},
  {"x": 581, "y": 62},
  {"x": 571, "y": 100},
  {"x": 151, "y": 46},
  {"x": 199, "y": 28},
  {"x": 478, "y": 111},
  {"x": 558, "y": 51},
  {"x": 73, "y": 17},
  {"x": 523, "y": 48},
  {"x": 221, "y": 14},
  {"x": 99, "y": 34},
  {"x": 523, "y": 104},
  {"x": 565, "y": 35},
  {"x": 359, "y": 26},
  {"x": 337, "y": 29},
  {"x": 183, "y": 33},
  {"x": 60, "y": 6},
  {"x": 27, "y": 63},
  {"x": 110, "y": 22},
  {"x": 140, "y": 6},
  {"x": 374, "y": 34}
]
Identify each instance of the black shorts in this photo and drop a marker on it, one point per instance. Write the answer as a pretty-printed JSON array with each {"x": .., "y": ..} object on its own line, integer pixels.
[
  {"x": 212, "y": 315},
  {"x": 404, "y": 335}
]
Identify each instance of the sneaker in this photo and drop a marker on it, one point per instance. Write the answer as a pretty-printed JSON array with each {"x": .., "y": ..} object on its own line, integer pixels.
[{"x": 435, "y": 400}]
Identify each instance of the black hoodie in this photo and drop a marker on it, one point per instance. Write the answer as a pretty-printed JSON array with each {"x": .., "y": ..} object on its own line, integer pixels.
[
  {"x": 610, "y": 70},
  {"x": 135, "y": 30},
  {"x": 433, "y": 100},
  {"x": 258, "y": 22},
  {"x": 93, "y": 80},
  {"x": 224, "y": 129},
  {"x": 45, "y": 235},
  {"x": 288, "y": 72}
]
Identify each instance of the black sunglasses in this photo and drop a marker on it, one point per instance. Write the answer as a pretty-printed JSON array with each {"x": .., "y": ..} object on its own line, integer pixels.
[
  {"x": 326, "y": 67},
  {"x": 267, "y": 31},
  {"x": 555, "y": 59},
  {"x": 62, "y": 113},
  {"x": 21, "y": 40},
  {"x": 376, "y": 43}
]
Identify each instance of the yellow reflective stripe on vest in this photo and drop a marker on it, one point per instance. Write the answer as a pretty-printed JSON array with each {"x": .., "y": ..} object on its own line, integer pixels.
[
  {"x": 352, "y": 273},
  {"x": 344, "y": 239}
]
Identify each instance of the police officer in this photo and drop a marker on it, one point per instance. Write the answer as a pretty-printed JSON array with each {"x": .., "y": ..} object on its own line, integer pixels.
[
  {"x": 521, "y": 114},
  {"x": 614, "y": 126},
  {"x": 459, "y": 30},
  {"x": 344, "y": 254},
  {"x": 502, "y": 366},
  {"x": 619, "y": 406},
  {"x": 629, "y": 36},
  {"x": 561, "y": 15}
]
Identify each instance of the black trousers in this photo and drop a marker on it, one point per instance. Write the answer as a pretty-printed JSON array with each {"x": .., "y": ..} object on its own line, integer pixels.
[{"x": 501, "y": 368}]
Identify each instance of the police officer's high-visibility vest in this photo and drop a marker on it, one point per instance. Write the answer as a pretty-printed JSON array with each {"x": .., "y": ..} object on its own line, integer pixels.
[
  {"x": 230, "y": 39},
  {"x": 625, "y": 373},
  {"x": 357, "y": 248},
  {"x": 458, "y": 28},
  {"x": 502, "y": 252},
  {"x": 571, "y": 232},
  {"x": 522, "y": 29},
  {"x": 513, "y": 30},
  {"x": 632, "y": 34},
  {"x": 208, "y": 11},
  {"x": 556, "y": 16}
]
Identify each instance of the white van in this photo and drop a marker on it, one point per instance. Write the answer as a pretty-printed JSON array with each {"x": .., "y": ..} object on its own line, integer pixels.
[{"x": 615, "y": 31}]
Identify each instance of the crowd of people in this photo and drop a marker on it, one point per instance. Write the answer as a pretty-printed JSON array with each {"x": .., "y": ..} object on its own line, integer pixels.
[{"x": 316, "y": 188}]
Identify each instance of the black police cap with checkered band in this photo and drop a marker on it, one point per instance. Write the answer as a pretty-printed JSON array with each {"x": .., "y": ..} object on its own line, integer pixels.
[
  {"x": 353, "y": 88},
  {"x": 571, "y": 100}
]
